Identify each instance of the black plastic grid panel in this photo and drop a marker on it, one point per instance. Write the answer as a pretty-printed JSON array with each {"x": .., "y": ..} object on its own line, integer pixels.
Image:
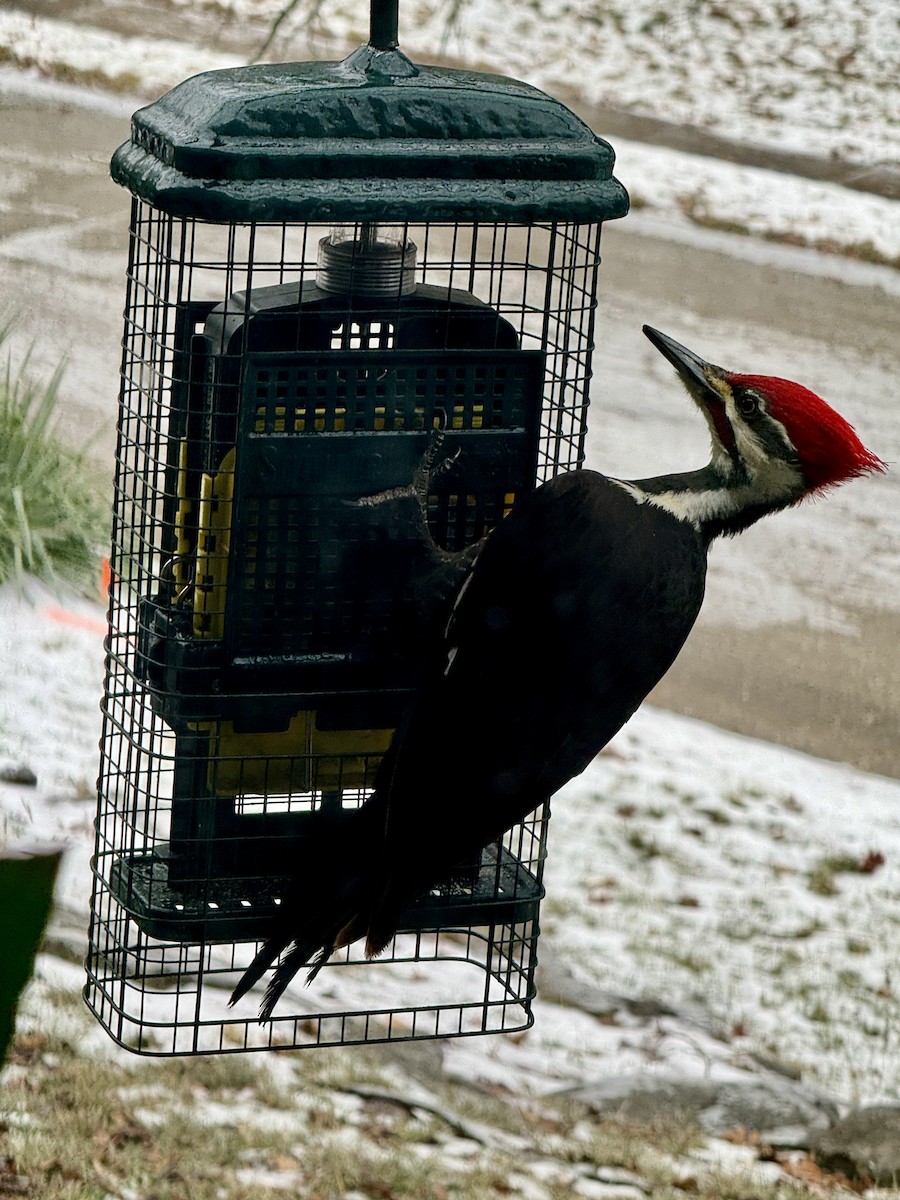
[
  {"x": 292, "y": 553},
  {"x": 166, "y": 995},
  {"x": 480, "y": 391}
]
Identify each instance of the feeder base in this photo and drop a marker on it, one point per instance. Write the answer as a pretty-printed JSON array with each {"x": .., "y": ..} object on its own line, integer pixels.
[{"x": 498, "y": 889}]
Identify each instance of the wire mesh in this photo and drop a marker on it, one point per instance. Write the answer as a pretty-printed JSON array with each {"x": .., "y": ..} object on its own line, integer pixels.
[{"x": 264, "y": 636}]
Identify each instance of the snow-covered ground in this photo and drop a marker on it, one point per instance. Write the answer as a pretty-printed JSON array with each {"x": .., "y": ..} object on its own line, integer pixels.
[
  {"x": 821, "y": 80},
  {"x": 754, "y": 889},
  {"x": 809, "y": 77}
]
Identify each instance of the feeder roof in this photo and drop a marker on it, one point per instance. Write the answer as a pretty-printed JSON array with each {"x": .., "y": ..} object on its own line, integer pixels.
[{"x": 374, "y": 137}]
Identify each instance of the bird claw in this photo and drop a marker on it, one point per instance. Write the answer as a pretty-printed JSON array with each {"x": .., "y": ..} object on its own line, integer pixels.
[
  {"x": 425, "y": 474},
  {"x": 427, "y": 471}
]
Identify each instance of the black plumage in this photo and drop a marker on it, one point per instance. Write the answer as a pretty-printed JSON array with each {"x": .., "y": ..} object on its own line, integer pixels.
[{"x": 574, "y": 608}]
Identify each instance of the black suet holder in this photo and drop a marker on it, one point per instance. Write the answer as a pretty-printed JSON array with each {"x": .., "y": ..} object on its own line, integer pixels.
[{"x": 338, "y": 273}]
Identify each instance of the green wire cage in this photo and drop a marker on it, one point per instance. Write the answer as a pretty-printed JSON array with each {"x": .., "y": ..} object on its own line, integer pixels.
[{"x": 338, "y": 272}]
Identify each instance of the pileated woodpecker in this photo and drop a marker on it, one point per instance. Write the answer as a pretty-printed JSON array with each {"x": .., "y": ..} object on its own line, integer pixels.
[{"x": 573, "y": 609}]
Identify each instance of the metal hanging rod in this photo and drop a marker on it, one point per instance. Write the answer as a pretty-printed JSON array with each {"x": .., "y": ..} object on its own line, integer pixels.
[{"x": 383, "y": 25}]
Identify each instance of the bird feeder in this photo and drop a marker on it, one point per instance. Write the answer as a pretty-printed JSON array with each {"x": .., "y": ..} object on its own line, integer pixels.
[{"x": 349, "y": 284}]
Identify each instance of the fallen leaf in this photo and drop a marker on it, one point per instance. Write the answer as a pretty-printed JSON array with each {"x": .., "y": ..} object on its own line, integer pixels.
[
  {"x": 872, "y": 861},
  {"x": 27, "y": 1048}
]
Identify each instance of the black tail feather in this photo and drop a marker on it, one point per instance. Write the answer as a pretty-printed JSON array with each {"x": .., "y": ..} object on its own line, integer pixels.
[
  {"x": 298, "y": 957},
  {"x": 319, "y": 938},
  {"x": 321, "y": 959},
  {"x": 312, "y": 934},
  {"x": 330, "y": 890},
  {"x": 267, "y": 954}
]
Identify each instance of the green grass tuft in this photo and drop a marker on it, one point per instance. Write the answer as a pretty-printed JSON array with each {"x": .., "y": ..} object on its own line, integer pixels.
[{"x": 51, "y": 520}]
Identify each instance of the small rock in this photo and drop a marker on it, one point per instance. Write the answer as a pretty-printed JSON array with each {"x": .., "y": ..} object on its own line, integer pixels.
[
  {"x": 865, "y": 1145},
  {"x": 784, "y": 1113},
  {"x": 781, "y": 1112},
  {"x": 646, "y": 1099},
  {"x": 20, "y": 774},
  {"x": 560, "y": 985}
]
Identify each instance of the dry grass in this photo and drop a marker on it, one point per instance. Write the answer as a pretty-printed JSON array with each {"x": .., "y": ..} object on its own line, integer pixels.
[{"x": 316, "y": 1124}]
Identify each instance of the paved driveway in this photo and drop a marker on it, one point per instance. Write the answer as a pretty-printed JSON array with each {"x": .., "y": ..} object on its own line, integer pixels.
[{"x": 800, "y": 638}]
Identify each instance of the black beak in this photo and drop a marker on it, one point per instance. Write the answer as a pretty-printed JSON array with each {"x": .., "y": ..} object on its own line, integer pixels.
[
  {"x": 699, "y": 376},
  {"x": 692, "y": 369}
]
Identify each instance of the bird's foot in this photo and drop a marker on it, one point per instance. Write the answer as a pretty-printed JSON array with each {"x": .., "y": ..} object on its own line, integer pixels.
[
  {"x": 418, "y": 488},
  {"x": 428, "y": 470}
]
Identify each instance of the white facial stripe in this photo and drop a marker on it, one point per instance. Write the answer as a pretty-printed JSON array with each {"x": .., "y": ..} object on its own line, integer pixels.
[
  {"x": 696, "y": 508},
  {"x": 693, "y": 507},
  {"x": 770, "y": 475},
  {"x": 639, "y": 496},
  {"x": 774, "y": 481}
]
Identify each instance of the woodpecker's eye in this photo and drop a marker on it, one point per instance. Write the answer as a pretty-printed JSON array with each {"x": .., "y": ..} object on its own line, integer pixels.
[{"x": 747, "y": 404}]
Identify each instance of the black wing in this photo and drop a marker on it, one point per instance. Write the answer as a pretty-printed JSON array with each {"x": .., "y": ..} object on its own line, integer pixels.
[{"x": 576, "y": 606}]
